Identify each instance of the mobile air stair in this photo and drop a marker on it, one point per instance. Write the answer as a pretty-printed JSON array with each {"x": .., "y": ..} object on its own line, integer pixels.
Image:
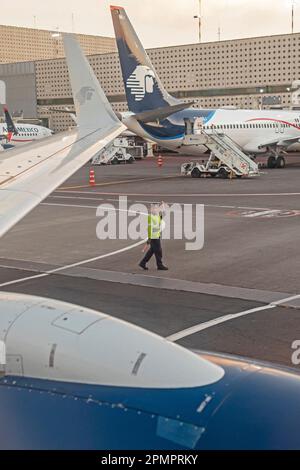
[
  {"x": 226, "y": 158},
  {"x": 112, "y": 155}
]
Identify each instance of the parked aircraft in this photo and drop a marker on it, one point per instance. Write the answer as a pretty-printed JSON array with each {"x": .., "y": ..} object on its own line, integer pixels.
[{"x": 156, "y": 115}]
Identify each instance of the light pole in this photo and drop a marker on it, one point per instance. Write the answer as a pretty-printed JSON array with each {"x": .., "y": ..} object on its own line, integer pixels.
[
  {"x": 293, "y": 4},
  {"x": 200, "y": 20}
]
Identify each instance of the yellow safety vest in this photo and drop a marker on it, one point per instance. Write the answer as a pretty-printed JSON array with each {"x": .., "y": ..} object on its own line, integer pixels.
[{"x": 154, "y": 226}]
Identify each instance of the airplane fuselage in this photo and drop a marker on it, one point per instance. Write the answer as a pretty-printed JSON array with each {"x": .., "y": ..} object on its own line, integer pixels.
[
  {"x": 26, "y": 133},
  {"x": 252, "y": 130}
]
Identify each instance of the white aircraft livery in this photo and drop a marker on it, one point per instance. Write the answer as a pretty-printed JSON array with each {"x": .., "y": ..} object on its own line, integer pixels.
[
  {"x": 14, "y": 133},
  {"x": 157, "y": 116}
]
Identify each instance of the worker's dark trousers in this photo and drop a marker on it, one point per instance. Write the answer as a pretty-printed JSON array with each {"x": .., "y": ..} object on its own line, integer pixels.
[{"x": 155, "y": 249}]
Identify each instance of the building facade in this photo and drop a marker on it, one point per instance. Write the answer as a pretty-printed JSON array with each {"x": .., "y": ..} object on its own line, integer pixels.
[
  {"x": 27, "y": 44},
  {"x": 243, "y": 73}
]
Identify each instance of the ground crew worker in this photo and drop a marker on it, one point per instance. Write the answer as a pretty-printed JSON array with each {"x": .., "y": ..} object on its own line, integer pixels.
[{"x": 154, "y": 239}]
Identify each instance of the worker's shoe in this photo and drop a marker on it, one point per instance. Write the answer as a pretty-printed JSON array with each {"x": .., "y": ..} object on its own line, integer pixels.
[
  {"x": 143, "y": 266},
  {"x": 163, "y": 268}
]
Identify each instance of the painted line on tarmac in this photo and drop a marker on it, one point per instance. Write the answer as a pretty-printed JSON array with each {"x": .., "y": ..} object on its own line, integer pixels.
[
  {"x": 83, "y": 262},
  {"x": 220, "y": 320},
  {"x": 73, "y": 265},
  {"x": 264, "y": 210},
  {"x": 113, "y": 183},
  {"x": 182, "y": 195}
]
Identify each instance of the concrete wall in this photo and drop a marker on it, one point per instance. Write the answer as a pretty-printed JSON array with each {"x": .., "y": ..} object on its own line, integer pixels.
[{"x": 20, "y": 80}]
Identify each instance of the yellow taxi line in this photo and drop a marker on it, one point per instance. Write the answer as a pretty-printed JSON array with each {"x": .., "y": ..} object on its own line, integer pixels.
[{"x": 112, "y": 183}]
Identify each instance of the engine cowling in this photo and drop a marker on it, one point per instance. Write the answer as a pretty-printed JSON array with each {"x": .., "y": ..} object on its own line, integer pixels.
[{"x": 54, "y": 340}]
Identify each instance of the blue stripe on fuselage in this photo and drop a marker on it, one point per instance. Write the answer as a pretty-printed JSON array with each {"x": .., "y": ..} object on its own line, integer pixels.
[{"x": 173, "y": 127}]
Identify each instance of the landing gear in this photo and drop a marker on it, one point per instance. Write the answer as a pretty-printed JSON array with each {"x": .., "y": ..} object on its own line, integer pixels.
[
  {"x": 278, "y": 162},
  {"x": 271, "y": 162}
]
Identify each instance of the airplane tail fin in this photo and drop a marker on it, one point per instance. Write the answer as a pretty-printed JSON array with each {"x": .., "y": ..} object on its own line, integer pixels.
[
  {"x": 144, "y": 90},
  {"x": 11, "y": 128}
]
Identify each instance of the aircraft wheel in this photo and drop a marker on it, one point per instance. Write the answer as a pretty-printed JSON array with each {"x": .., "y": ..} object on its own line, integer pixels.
[
  {"x": 280, "y": 162},
  {"x": 196, "y": 173},
  {"x": 271, "y": 162}
]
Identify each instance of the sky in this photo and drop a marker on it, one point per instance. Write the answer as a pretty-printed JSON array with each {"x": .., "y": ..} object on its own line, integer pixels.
[{"x": 158, "y": 22}]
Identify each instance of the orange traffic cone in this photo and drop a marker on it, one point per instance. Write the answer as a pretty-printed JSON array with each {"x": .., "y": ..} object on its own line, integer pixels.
[
  {"x": 92, "y": 180},
  {"x": 160, "y": 161}
]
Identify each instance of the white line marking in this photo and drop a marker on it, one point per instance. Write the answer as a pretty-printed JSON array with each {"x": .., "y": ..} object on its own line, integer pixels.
[
  {"x": 217, "y": 321},
  {"x": 288, "y": 299},
  {"x": 93, "y": 207},
  {"x": 216, "y": 206},
  {"x": 80, "y": 263},
  {"x": 214, "y": 322},
  {"x": 79, "y": 206},
  {"x": 73, "y": 265},
  {"x": 183, "y": 195},
  {"x": 262, "y": 213}
]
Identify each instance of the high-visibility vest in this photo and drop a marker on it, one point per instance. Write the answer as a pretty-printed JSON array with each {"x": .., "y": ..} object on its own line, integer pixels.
[{"x": 154, "y": 226}]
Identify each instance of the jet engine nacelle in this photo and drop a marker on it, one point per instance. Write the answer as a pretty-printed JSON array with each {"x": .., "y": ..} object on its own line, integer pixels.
[{"x": 54, "y": 340}]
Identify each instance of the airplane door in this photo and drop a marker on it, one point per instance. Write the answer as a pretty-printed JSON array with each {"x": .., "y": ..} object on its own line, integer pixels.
[{"x": 279, "y": 129}]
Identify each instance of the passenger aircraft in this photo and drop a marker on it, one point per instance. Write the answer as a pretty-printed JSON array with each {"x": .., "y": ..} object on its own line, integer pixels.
[
  {"x": 15, "y": 134},
  {"x": 79, "y": 379},
  {"x": 156, "y": 115}
]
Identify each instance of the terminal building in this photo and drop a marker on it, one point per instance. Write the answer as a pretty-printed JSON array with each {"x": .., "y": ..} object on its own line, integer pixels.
[
  {"x": 245, "y": 73},
  {"x": 28, "y": 44}
]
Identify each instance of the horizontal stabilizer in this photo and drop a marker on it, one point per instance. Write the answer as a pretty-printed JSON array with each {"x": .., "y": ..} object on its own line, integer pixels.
[{"x": 161, "y": 113}]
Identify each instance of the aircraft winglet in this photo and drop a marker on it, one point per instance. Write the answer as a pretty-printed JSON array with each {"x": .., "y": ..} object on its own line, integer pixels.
[
  {"x": 28, "y": 174},
  {"x": 93, "y": 109}
]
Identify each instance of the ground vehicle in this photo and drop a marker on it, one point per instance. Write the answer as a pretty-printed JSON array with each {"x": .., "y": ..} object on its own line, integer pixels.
[{"x": 113, "y": 155}]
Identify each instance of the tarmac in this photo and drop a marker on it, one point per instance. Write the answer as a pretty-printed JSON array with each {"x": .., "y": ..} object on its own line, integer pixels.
[{"x": 239, "y": 294}]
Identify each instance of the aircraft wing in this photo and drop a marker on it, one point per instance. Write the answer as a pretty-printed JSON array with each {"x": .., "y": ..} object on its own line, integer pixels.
[
  {"x": 30, "y": 173},
  {"x": 280, "y": 142}
]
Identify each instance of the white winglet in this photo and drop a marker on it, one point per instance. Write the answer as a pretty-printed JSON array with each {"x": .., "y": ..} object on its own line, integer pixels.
[
  {"x": 30, "y": 173},
  {"x": 92, "y": 106}
]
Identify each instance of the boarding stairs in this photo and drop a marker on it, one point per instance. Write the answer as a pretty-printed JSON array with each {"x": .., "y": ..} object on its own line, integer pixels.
[
  {"x": 106, "y": 156},
  {"x": 225, "y": 149}
]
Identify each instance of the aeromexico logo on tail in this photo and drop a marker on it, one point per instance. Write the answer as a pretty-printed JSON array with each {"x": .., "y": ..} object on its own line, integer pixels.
[
  {"x": 85, "y": 94},
  {"x": 140, "y": 82}
]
